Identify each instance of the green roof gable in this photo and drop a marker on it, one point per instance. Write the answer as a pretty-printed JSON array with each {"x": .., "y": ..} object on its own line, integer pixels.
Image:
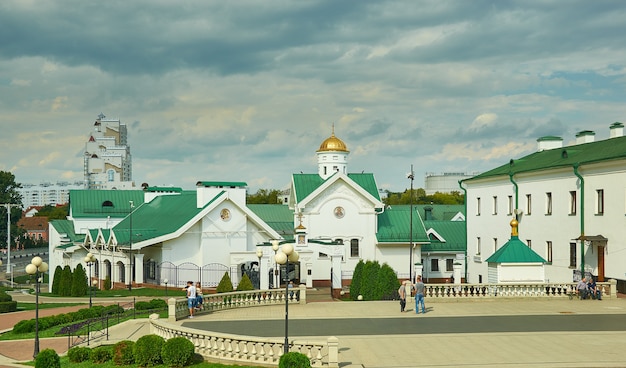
[
  {"x": 102, "y": 203},
  {"x": 67, "y": 227},
  {"x": 515, "y": 251},
  {"x": 453, "y": 232},
  {"x": 221, "y": 184},
  {"x": 279, "y": 217},
  {"x": 161, "y": 216},
  {"x": 394, "y": 224},
  {"x": 305, "y": 184},
  {"x": 586, "y": 153}
]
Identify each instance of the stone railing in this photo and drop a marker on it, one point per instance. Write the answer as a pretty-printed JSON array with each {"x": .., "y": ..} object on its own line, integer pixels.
[
  {"x": 249, "y": 350},
  {"x": 177, "y": 308},
  {"x": 521, "y": 290}
]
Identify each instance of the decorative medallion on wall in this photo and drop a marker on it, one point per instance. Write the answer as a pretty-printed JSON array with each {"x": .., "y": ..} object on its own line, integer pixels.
[
  {"x": 339, "y": 212},
  {"x": 225, "y": 214}
]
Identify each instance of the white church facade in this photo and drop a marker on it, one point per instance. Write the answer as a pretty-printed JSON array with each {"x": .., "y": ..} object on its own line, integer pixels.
[{"x": 333, "y": 218}]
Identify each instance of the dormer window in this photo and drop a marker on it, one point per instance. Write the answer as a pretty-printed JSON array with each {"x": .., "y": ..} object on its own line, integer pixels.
[{"x": 107, "y": 204}]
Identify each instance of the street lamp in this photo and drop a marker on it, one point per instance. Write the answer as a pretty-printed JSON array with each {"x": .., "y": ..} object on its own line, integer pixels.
[
  {"x": 89, "y": 260},
  {"x": 130, "y": 253},
  {"x": 411, "y": 176},
  {"x": 259, "y": 254},
  {"x": 36, "y": 267},
  {"x": 165, "y": 281},
  {"x": 275, "y": 244},
  {"x": 286, "y": 254}
]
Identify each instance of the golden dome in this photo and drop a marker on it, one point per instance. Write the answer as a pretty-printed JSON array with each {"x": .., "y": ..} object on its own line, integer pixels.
[{"x": 333, "y": 143}]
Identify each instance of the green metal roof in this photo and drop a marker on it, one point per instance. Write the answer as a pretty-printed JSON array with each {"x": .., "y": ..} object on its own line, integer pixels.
[
  {"x": 227, "y": 184},
  {"x": 163, "y": 189},
  {"x": 586, "y": 153},
  {"x": 394, "y": 224},
  {"x": 102, "y": 203},
  {"x": 439, "y": 212},
  {"x": 515, "y": 251},
  {"x": 279, "y": 217},
  {"x": 305, "y": 184},
  {"x": 161, "y": 216},
  {"x": 453, "y": 232},
  {"x": 67, "y": 227}
]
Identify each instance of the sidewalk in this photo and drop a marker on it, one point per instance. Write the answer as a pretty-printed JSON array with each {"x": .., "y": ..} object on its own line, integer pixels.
[{"x": 502, "y": 349}]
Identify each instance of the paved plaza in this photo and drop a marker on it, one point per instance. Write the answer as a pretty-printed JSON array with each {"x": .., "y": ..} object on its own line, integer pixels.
[{"x": 483, "y": 333}]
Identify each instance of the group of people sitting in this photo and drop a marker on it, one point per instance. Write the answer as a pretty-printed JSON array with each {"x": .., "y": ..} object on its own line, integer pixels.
[
  {"x": 587, "y": 290},
  {"x": 194, "y": 297}
]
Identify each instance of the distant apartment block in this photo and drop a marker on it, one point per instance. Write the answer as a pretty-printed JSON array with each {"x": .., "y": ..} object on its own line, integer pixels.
[
  {"x": 444, "y": 182},
  {"x": 34, "y": 195}
]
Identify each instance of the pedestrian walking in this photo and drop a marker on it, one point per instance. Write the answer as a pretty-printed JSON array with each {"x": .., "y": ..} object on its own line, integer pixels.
[{"x": 419, "y": 295}]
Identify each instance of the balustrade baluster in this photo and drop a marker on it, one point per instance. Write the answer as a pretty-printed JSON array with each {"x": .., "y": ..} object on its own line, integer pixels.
[
  {"x": 229, "y": 347},
  {"x": 245, "y": 350}
]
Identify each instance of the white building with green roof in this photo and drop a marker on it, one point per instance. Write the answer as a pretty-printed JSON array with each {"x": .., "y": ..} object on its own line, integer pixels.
[
  {"x": 570, "y": 202},
  {"x": 334, "y": 218}
]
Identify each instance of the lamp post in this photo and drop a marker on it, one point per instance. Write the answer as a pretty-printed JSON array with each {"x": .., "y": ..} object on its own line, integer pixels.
[
  {"x": 286, "y": 254},
  {"x": 8, "y": 206},
  {"x": 275, "y": 245},
  {"x": 259, "y": 254},
  {"x": 165, "y": 281},
  {"x": 411, "y": 176},
  {"x": 130, "y": 241},
  {"x": 89, "y": 260},
  {"x": 36, "y": 267}
]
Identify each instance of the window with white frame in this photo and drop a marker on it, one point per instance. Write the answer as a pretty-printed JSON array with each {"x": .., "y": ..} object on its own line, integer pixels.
[
  {"x": 529, "y": 204},
  {"x": 478, "y": 245},
  {"x": 434, "y": 264},
  {"x": 549, "y": 203},
  {"x": 529, "y": 243},
  {"x": 495, "y": 205},
  {"x": 572, "y": 202},
  {"x": 572, "y": 254},
  {"x": 510, "y": 206},
  {"x": 354, "y": 248},
  {"x": 449, "y": 265},
  {"x": 600, "y": 202},
  {"x": 495, "y": 244},
  {"x": 478, "y": 206},
  {"x": 549, "y": 251}
]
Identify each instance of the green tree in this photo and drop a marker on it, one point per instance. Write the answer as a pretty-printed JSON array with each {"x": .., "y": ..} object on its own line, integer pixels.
[
  {"x": 54, "y": 212},
  {"x": 56, "y": 282},
  {"x": 245, "y": 284},
  {"x": 369, "y": 287},
  {"x": 79, "y": 281},
  {"x": 9, "y": 194},
  {"x": 264, "y": 196},
  {"x": 420, "y": 197},
  {"x": 388, "y": 283},
  {"x": 225, "y": 285},
  {"x": 65, "y": 286},
  {"x": 357, "y": 279}
]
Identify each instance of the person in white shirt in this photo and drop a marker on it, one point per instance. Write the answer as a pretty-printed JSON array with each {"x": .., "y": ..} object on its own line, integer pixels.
[{"x": 191, "y": 297}]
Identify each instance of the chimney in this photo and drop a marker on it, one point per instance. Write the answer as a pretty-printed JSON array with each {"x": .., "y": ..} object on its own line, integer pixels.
[
  {"x": 585, "y": 136},
  {"x": 616, "y": 129},
  {"x": 549, "y": 142}
]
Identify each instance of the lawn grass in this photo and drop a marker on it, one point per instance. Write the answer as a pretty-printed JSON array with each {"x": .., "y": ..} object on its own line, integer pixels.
[{"x": 31, "y": 306}]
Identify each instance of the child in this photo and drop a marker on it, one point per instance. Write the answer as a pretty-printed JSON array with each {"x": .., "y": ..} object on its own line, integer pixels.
[{"x": 198, "y": 296}]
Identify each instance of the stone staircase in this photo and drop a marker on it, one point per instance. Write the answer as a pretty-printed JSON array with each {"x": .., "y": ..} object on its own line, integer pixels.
[{"x": 318, "y": 295}]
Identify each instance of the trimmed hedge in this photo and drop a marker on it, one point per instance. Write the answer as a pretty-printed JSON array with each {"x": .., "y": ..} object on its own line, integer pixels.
[
  {"x": 225, "y": 285},
  {"x": 177, "y": 352},
  {"x": 123, "y": 352},
  {"x": 147, "y": 350},
  {"x": 48, "y": 358},
  {"x": 78, "y": 354},
  {"x": 245, "y": 284},
  {"x": 27, "y": 326},
  {"x": 294, "y": 360},
  {"x": 101, "y": 354},
  {"x": 6, "y": 307}
]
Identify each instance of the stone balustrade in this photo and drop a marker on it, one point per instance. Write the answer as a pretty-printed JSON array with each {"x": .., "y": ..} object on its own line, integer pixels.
[
  {"x": 512, "y": 290},
  {"x": 211, "y": 302},
  {"x": 251, "y": 350}
]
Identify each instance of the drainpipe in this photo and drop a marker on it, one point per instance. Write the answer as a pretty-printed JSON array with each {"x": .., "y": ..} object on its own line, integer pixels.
[
  {"x": 465, "y": 204},
  {"x": 582, "y": 219},
  {"x": 516, "y": 193}
]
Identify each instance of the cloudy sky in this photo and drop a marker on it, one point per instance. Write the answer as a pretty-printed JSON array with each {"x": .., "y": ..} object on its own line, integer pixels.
[{"x": 247, "y": 90}]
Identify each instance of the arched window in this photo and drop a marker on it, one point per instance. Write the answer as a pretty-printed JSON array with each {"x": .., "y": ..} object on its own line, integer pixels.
[
  {"x": 354, "y": 247},
  {"x": 107, "y": 204}
]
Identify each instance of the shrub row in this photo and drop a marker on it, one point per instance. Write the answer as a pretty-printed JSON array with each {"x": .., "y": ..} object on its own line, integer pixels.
[
  {"x": 26, "y": 326},
  {"x": 148, "y": 351},
  {"x": 374, "y": 282}
]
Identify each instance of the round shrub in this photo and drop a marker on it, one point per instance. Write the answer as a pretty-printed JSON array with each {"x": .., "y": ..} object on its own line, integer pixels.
[
  {"x": 158, "y": 304},
  {"x": 177, "y": 352},
  {"x": 123, "y": 353},
  {"x": 142, "y": 305},
  {"x": 101, "y": 354},
  {"x": 4, "y": 297},
  {"x": 47, "y": 358},
  {"x": 294, "y": 360},
  {"x": 147, "y": 350},
  {"x": 24, "y": 326},
  {"x": 78, "y": 354}
]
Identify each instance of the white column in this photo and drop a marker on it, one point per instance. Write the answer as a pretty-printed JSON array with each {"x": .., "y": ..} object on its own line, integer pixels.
[
  {"x": 309, "y": 275},
  {"x": 139, "y": 268},
  {"x": 336, "y": 264},
  {"x": 264, "y": 269}
]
